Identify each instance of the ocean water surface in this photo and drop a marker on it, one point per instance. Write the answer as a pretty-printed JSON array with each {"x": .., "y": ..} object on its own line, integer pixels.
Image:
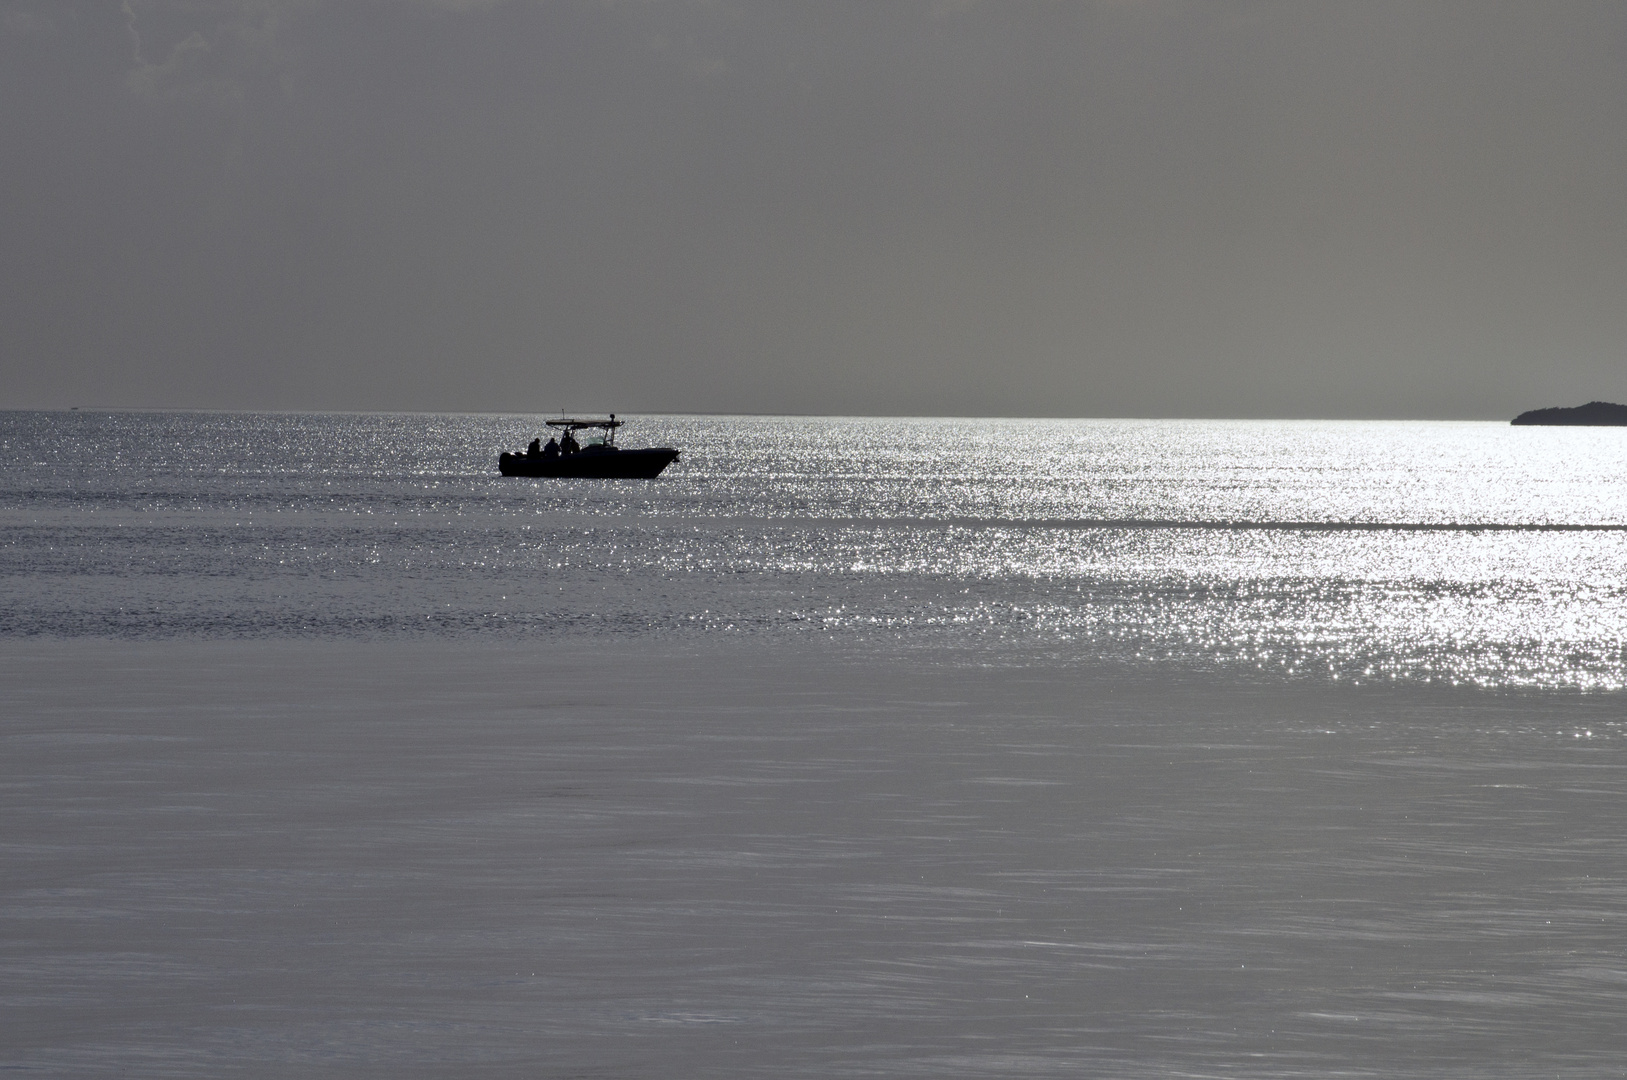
[
  {"x": 847, "y": 748},
  {"x": 1419, "y": 552}
]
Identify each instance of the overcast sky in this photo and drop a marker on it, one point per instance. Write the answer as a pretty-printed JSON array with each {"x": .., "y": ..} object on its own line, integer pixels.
[{"x": 1111, "y": 208}]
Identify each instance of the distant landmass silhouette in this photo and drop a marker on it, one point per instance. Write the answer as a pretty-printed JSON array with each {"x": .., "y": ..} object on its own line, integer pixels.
[{"x": 1593, "y": 414}]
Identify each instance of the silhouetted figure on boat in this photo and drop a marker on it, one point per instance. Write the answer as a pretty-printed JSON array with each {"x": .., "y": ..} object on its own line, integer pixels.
[{"x": 600, "y": 459}]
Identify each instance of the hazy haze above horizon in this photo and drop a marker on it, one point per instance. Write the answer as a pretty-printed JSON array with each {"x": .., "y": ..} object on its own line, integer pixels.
[{"x": 1112, "y": 208}]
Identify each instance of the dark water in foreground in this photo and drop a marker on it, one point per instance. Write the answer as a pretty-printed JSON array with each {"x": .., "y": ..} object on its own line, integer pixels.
[{"x": 417, "y": 860}]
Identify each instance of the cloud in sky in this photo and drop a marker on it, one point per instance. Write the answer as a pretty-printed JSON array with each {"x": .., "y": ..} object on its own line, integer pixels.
[{"x": 1111, "y": 208}]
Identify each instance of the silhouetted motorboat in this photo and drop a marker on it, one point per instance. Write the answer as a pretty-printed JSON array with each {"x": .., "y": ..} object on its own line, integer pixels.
[{"x": 598, "y": 459}]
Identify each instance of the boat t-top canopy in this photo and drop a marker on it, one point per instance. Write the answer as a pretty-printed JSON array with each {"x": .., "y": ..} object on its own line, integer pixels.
[{"x": 577, "y": 424}]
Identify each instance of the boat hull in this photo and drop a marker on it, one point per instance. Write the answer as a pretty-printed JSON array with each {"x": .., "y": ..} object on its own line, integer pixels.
[{"x": 592, "y": 464}]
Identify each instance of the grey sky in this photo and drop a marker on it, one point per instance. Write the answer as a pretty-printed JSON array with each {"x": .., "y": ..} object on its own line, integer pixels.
[{"x": 1082, "y": 209}]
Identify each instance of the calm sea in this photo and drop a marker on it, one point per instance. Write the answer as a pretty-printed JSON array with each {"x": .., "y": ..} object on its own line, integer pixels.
[
  {"x": 847, "y": 748},
  {"x": 1407, "y": 552}
]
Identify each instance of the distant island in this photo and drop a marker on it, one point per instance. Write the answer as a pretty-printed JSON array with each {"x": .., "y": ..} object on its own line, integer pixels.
[{"x": 1593, "y": 414}]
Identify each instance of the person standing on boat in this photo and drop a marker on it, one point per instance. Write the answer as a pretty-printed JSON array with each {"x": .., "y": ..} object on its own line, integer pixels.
[{"x": 552, "y": 449}]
